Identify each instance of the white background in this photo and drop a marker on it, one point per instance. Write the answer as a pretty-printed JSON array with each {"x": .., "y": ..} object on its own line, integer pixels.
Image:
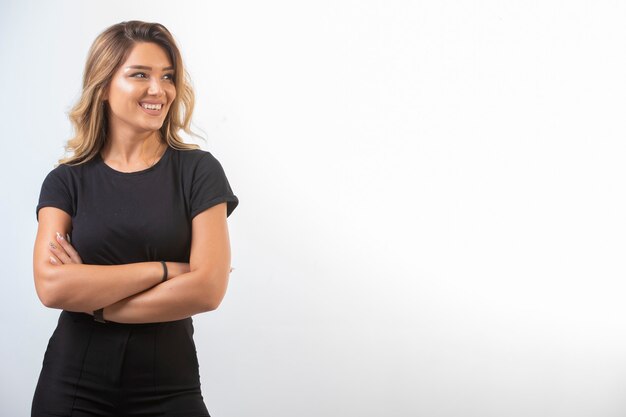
[{"x": 432, "y": 207}]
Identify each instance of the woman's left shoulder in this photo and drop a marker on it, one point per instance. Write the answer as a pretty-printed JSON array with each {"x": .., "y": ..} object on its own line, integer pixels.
[{"x": 192, "y": 155}]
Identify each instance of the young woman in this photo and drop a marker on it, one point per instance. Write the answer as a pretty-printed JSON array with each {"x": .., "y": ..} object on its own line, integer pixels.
[{"x": 132, "y": 238}]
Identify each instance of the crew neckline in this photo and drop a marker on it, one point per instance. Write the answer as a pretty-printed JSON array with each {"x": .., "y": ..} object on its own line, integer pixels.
[{"x": 132, "y": 173}]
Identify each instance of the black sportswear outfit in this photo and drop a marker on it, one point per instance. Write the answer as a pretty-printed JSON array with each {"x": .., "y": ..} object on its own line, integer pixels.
[{"x": 120, "y": 369}]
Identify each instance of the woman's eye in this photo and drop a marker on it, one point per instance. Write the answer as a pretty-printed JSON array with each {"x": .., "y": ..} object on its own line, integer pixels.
[
  {"x": 169, "y": 77},
  {"x": 139, "y": 75}
]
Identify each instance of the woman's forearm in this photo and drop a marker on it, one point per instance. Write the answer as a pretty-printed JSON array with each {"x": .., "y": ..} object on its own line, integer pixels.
[
  {"x": 181, "y": 297},
  {"x": 80, "y": 287}
]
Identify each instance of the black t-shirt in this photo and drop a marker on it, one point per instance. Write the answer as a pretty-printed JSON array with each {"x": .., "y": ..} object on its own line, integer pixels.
[{"x": 120, "y": 218}]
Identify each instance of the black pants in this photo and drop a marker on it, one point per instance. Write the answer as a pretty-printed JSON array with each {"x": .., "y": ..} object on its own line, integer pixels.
[{"x": 119, "y": 370}]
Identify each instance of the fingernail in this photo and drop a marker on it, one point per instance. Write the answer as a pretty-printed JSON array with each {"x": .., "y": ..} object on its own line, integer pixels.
[
  {"x": 59, "y": 236},
  {"x": 68, "y": 238},
  {"x": 53, "y": 260}
]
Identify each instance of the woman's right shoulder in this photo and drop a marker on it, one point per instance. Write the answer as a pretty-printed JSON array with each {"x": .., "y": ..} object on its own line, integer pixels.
[
  {"x": 59, "y": 170},
  {"x": 67, "y": 172}
]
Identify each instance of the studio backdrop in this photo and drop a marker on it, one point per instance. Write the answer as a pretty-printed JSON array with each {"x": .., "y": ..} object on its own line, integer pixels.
[{"x": 432, "y": 207}]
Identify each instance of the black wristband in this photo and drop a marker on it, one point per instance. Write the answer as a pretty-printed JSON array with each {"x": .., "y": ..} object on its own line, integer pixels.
[
  {"x": 98, "y": 315},
  {"x": 164, "y": 271}
]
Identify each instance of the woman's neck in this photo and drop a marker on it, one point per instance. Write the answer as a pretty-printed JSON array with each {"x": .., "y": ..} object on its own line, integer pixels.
[{"x": 133, "y": 153}]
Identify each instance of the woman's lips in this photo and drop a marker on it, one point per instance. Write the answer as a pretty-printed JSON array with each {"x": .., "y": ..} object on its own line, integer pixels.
[{"x": 152, "y": 112}]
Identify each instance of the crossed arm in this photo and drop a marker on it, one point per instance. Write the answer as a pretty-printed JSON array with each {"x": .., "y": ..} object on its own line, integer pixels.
[{"x": 133, "y": 293}]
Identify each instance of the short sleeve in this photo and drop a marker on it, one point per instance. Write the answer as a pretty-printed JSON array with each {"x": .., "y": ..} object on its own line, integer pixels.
[
  {"x": 210, "y": 187},
  {"x": 56, "y": 192}
]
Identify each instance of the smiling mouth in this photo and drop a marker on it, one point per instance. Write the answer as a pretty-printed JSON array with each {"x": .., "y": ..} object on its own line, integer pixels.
[{"x": 151, "y": 106}]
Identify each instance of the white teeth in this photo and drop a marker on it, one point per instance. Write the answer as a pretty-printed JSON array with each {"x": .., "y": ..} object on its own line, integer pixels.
[{"x": 151, "y": 106}]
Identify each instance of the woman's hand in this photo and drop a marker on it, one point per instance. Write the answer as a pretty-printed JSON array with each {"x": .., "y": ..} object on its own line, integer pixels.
[{"x": 63, "y": 252}]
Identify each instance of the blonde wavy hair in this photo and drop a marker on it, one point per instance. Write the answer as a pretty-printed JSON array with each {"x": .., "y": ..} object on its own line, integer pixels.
[{"x": 108, "y": 51}]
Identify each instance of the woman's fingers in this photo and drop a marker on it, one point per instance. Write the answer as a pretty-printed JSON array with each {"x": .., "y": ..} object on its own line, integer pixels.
[
  {"x": 64, "y": 251},
  {"x": 69, "y": 249},
  {"x": 59, "y": 253},
  {"x": 54, "y": 260}
]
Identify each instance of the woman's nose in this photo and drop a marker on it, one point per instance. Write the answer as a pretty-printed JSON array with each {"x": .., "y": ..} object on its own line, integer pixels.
[{"x": 155, "y": 88}]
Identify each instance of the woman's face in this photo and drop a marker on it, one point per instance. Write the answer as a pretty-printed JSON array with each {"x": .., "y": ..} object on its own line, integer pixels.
[{"x": 141, "y": 90}]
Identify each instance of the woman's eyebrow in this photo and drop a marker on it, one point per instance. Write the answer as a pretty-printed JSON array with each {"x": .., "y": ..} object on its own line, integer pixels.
[{"x": 144, "y": 67}]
